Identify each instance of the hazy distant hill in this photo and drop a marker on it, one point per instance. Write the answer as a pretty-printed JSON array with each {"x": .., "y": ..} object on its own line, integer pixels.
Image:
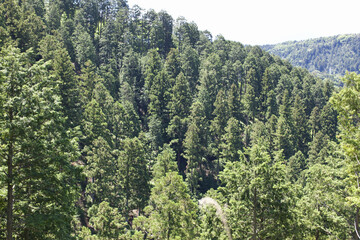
[{"x": 328, "y": 57}]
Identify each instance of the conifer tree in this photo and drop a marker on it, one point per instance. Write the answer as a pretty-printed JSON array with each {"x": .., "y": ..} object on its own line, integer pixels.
[
  {"x": 195, "y": 143},
  {"x": 258, "y": 195},
  {"x": 232, "y": 141},
  {"x": 179, "y": 111},
  {"x": 171, "y": 211},
  {"x": 39, "y": 152},
  {"x": 134, "y": 175},
  {"x": 347, "y": 103},
  {"x": 322, "y": 207},
  {"x": 300, "y": 129}
]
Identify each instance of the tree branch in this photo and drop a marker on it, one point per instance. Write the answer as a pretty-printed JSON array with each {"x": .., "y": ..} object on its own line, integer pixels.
[
  {"x": 357, "y": 233},
  {"x": 357, "y": 159},
  {"x": 328, "y": 232}
]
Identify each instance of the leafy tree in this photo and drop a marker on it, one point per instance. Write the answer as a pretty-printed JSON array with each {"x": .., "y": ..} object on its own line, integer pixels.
[
  {"x": 152, "y": 68},
  {"x": 283, "y": 137},
  {"x": 218, "y": 124},
  {"x": 211, "y": 225},
  {"x": 297, "y": 164},
  {"x": 84, "y": 46},
  {"x": 186, "y": 34},
  {"x": 322, "y": 207},
  {"x": 159, "y": 99},
  {"x": 328, "y": 121},
  {"x": 250, "y": 101},
  {"x": 172, "y": 64},
  {"x": 106, "y": 221},
  {"x": 259, "y": 196},
  {"x": 101, "y": 173},
  {"x": 87, "y": 82},
  {"x": 70, "y": 97},
  {"x": 300, "y": 129},
  {"x": 179, "y": 110},
  {"x": 234, "y": 102},
  {"x": 134, "y": 175},
  {"x": 195, "y": 143},
  {"x": 171, "y": 212},
  {"x": 161, "y": 33},
  {"x": 165, "y": 162},
  {"x": 346, "y": 102},
  {"x": 94, "y": 123},
  {"x": 38, "y": 151},
  {"x": 232, "y": 141},
  {"x": 190, "y": 64},
  {"x": 314, "y": 121},
  {"x": 131, "y": 74},
  {"x": 221, "y": 116},
  {"x": 210, "y": 77}
]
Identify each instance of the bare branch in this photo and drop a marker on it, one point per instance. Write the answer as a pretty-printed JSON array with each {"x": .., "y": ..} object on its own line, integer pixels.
[
  {"x": 357, "y": 159},
  {"x": 328, "y": 232},
  {"x": 357, "y": 179},
  {"x": 5, "y": 173},
  {"x": 357, "y": 233}
]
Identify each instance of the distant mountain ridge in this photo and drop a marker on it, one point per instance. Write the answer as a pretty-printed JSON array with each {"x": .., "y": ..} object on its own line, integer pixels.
[{"x": 327, "y": 57}]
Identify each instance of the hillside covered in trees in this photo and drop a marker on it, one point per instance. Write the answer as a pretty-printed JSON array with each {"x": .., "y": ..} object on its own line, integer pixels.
[
  {"x": 327, "y": 57},
  {"x": 121, "y": 123}
]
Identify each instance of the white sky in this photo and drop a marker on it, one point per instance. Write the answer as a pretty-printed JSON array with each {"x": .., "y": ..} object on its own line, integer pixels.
[{"x": 264, "y": 21}]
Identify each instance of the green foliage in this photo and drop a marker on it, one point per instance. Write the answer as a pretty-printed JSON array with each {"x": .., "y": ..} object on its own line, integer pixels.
[
  {"x": 165, "y": 114},
  {"x": 195, "y": 144},
  {"x": 211, "y": 225},
  {"x": 39, "y": 152},
  {"x": 106, "y": 221},
  {"x": 171, "y": 211},
  {"x": 259, "y": 196},
  {"x": 101, "y": 172},
  {"x": 346, "y": 102},
  {"x": 133, "y": 173},
  {"x": 232, "y": 141},
  {"x": 165, "y": 162},
  {"x": 324, "y": 213}
]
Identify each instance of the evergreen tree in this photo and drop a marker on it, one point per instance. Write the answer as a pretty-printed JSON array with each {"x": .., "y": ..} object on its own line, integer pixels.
[
  {"x": 300, "y": 129},
  {"x": 346, "y": 102},
  {"x": 39, "y": 152},
  {"x": 322, "y": 207},
  {"x": 179, "y": 110},
  {"x": 232, "y": 141},
  {"x": 134, "y": 175},
  {"x": 70, "y": 97},
  {"x": 218, "y": 124},
  {"x": 101, "y": 173},
  {"x": 107, "y": 222},
  {"x": 171, "y": 212},
  {"x": 165, "y": 162},
  {"x": 195, "y": 143},
  {"x": 190, "y": 64},
  {"x": 259, "y": 197},
  {"x": 210, "y": 77}
]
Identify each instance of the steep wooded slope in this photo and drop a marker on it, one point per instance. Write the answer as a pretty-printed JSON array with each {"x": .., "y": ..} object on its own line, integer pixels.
[{"x": 328, "y": 57}]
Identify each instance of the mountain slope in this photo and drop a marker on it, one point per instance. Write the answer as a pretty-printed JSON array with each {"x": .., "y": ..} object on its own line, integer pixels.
[{"x": 328, "y": 57}]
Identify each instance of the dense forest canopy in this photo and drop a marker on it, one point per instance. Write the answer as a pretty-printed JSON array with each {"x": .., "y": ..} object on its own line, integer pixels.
[
  {"x": 121, "y": 123},
  {"x": 327, "y": 57}
]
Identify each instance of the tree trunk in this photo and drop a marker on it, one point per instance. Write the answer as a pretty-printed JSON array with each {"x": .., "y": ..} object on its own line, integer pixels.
[
  {"x": 10, "y": 200},
  {"x": 357, "y": 220},
  {"x": 254, "y": 217},
  {"x": 10, "y": 195}
]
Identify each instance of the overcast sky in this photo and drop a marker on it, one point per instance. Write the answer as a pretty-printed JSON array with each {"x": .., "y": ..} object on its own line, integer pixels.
[{"x": 264, "y": 21}]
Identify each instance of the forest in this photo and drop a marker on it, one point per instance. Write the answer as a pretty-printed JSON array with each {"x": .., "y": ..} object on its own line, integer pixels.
[
  {"x": 123, "y": 123},
  {"x": 326, "y": 57}
]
